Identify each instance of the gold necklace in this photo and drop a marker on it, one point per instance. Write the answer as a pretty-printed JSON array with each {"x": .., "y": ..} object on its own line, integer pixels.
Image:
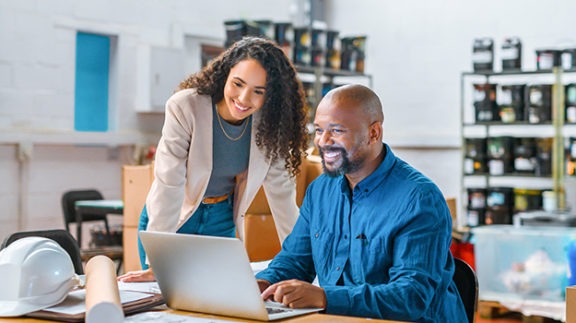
[{"x": 224, "y": 131}]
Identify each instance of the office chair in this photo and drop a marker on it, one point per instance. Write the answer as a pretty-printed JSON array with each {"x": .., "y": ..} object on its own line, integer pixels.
[
  {"x": 467, "y": 284},
  {"x": 68, "y": 206},
  {"x": 69, "y": 199},
  {"x": 62, "y": 237}
]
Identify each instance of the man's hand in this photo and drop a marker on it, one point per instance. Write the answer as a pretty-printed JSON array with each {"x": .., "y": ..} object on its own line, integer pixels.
[
  {"x": 138, "y": 276},
  {"x": 296, "y": 294},
  {"x": 262, "y": 284}
]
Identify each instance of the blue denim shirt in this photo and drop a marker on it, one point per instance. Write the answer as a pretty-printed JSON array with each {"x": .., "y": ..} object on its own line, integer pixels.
[{"x": 380, "y": 251}]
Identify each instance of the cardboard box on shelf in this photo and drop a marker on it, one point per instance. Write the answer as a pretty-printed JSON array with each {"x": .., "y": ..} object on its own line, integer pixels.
[
  {"x": 131, "y": 256},
  {"x": 571, "y": 304},
  {"x": 136, "y": 182}
]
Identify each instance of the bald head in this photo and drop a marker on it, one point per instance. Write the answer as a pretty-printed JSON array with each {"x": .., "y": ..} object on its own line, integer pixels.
[
  {"x": 362, "y": 98},
  {"x": 348, "y": 132}
]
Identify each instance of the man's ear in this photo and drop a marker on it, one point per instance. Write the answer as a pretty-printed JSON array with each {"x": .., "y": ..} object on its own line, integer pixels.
[{"x": 375, "y": 132}]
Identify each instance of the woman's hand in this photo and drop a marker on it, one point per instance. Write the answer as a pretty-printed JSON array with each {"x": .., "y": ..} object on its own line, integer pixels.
[{"x": 138, "y": 276}]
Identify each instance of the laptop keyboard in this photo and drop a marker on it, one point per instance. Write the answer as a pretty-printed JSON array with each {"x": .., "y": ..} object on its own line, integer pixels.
[{"x": 275, "y": 308}]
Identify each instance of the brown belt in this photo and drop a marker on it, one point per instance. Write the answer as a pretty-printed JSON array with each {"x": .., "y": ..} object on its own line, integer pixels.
[{"x": 214, "y": 199}]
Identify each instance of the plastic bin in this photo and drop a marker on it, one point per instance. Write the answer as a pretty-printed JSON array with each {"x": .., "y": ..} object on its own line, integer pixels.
[{"x": 526, "y": 263}]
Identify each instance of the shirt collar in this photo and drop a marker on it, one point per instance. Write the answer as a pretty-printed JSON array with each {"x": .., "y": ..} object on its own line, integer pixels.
[{"x": 373, "y": 180}]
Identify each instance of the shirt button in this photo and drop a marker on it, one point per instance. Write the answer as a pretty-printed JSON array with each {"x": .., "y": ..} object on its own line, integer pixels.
[
  {"x": 345, "y": 236},
  {"x": 338, "y": 268},
  {"x": 316, "y": 235}
]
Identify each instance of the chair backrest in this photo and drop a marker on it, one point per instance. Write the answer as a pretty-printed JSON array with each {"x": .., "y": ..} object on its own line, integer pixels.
[
  {"x": 69, "y": 209},
  {"x": 62, "y": 237},
  {"x": 467, "y": 284}
]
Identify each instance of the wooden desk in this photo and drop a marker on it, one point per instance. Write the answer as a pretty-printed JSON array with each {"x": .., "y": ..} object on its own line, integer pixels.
[
  {"x": 315, "y": 318},
  {"x": 95, "y": 207}
]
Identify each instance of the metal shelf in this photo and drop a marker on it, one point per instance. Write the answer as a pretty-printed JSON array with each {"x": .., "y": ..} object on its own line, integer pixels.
[{"x": 557, "y": 125}]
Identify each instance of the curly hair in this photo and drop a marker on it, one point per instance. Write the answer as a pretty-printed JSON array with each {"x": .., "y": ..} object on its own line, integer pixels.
[{"x": 282, "y": 130}]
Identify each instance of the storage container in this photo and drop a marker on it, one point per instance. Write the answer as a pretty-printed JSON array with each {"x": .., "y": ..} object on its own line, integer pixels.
[
  {"x": 483, "y": 55},
  {"x": 284, "y": 36},
  {"x": 521, "y": 263},
  {"x": 569, "y": 58},
  {"x": 546, "y": 59},
  {"x": 539, "y": 103},
  {"x": 570, "y": 101},
  {"x": 511, "y": 54},
  {"x": 510, "y": 99}
]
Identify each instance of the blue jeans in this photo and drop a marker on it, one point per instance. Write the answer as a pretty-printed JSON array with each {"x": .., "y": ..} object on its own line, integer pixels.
[{"x": 209, "y": 219}]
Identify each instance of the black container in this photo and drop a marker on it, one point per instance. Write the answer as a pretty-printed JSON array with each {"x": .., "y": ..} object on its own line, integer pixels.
[
  {"x": 483, "y": 55},
  {"x": 353, "y": 53},
  {"x": 254, "y": 28},
  {"x": 544, "y": 155},
  {"x": 476, "y": 208},
  {"x": 235, "y": 30},
  {"x": 302, "y": 46},
  {"x": 476, "y": 217},
  {"x": 570, "y": 100},
  {"x": 318, "y": 47},
  {"x": 266, "y": 29},
  {"x": 498, "y": 215},
  {"x": 333, "y": 47},
  {"x": 475, "y": 147},
  {"x": 546, "y": 59},
  {"x": 501, "y": 166},
  {"x": 302, "y": 37},
  {"x": 539, "y": 102},
  {"x": 510, "y": 99},
  {"x": 527, "y": 200},
  {"x": 485, "y": 106},
  {"x": 502, "y": 197},
  {"x": 475, "y": 165},
  {"x": 500, "y": 147},
  {"x": 569, "y": 58},
  {"x": 571, "y": 156},
  {"x": 475, "y": 158},
  {"x": 284, "y": 37},
  {"x": 476, "y": 198},
  {"x": 525, "y": 155},
  {"x": 499, "y": 205},
  {"x": 511, "y": 54},
  {"x": 500, "y": 151}
]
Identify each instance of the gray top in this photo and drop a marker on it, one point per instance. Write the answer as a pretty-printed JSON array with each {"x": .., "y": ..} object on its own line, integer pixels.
[{"x": 231, "y": 151}]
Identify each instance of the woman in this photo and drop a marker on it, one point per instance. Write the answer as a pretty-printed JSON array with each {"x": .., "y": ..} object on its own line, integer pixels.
[{"x": 238, "y": 124}]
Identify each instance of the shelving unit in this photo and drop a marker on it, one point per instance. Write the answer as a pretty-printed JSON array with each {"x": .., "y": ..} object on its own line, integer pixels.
[
  {"x": 319, "y": 76},
  {"x": 554, "y": 128}
]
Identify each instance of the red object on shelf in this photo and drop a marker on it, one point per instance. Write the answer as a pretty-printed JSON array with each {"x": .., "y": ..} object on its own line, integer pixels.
[{"x": 464, "y": 251}]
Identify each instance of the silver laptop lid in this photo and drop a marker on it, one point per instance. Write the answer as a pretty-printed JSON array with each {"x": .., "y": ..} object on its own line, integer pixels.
[{"x": 204, "y": 274}]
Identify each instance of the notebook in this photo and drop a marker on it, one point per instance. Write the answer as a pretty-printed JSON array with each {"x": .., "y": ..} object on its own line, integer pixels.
[{"x": 209, "y": 275}]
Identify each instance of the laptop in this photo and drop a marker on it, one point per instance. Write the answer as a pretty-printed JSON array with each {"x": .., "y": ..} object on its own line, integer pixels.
[{"x": 210, "y": 275}]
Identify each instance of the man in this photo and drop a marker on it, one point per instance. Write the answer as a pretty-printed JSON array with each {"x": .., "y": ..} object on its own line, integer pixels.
[{"x": 373, "y": 229}]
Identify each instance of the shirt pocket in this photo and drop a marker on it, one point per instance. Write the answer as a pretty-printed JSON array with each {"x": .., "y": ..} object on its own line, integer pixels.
[
  {"x": 377, "y": 258},
  {"x": 322, "y": 249}
]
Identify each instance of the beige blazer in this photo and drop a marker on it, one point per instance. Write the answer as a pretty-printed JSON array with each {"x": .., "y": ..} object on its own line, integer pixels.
[{"x": 184, "y": 163}]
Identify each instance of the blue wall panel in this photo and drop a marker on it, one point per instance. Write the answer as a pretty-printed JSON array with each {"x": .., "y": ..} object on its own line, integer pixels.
[{"x": 91, "y": 88}]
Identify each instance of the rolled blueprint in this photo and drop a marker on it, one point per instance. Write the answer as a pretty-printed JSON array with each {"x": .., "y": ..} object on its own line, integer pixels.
[{"x": 102, "y": 294}]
